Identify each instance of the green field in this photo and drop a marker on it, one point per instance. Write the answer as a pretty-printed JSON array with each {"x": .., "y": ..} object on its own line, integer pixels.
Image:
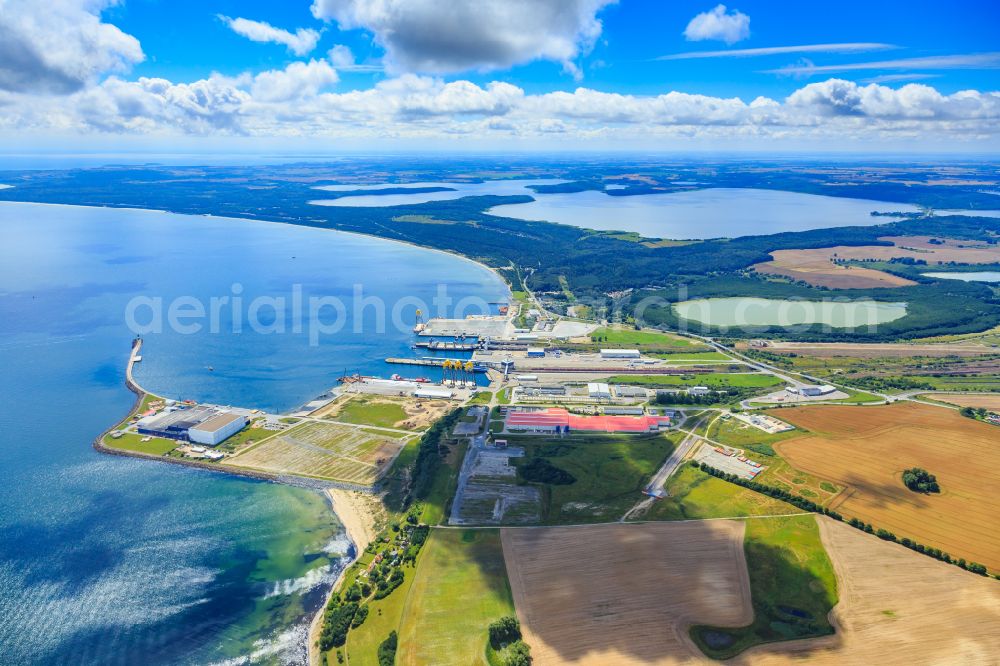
[
  {"x": 977, "y": 383},
  {"x": 384, "y": 616},
  {"x": 459, "y": 588},
  {"x": 709, "y": 379},
  {"x": 244, "y": 437},
  {"x": 481, "y": 398},
  {"x": 792, "y": 585},
  {"x": 157, "y": 446},
  {"x": 369, "y": 411},
  {"x": 758, "y": 446},
  {"x": 733, "y": 432},
  {"x": 610, "y": 472},
  {"x": 436, "y": 505},
  {"x": 628, "y": 337},
  {"x": 693, "y": 494},
  {"x": 691, "y": 356}
]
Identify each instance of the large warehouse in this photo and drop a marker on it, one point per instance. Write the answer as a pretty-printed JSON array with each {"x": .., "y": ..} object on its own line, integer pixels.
[
  {"x": 620, "y": 353},
  {"x": 557, "y": 420},
  {"x": 217, "y": 428},
  {"x": 173, "y": 424},
  {"x": 203, "y": 425}
]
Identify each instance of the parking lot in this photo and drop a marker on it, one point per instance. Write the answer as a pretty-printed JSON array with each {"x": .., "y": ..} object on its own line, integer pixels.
[{"x": 728, "y": 464}]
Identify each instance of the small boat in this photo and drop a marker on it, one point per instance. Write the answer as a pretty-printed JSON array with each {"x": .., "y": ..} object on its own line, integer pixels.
[{"x": 211, "y": 369}]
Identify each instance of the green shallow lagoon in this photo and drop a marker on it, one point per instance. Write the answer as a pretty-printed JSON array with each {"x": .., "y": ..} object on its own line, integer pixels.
[{"x": 751, "y": 311}]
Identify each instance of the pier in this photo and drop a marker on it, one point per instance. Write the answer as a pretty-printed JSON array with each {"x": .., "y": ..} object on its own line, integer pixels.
[
  {"x": 440, "y": 345},
  {"x": 478, "y": 366}
]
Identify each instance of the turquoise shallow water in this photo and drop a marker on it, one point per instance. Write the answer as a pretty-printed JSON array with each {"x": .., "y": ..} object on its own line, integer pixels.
[
  {"x": 108, "y": 560},
  {"x": 746, "y": 311}
]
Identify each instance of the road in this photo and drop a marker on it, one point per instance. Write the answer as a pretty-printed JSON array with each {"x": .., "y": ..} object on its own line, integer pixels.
[
  {"x": 669, "y": 466},
  {"x": 476, "y": 444}
]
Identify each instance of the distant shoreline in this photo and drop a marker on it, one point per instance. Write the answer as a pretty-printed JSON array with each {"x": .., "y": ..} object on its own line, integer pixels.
[{"x": 359, "y": 525}]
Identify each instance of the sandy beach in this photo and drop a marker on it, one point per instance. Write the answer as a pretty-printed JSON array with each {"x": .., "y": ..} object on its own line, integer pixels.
[{"x": 362, "y": 515}]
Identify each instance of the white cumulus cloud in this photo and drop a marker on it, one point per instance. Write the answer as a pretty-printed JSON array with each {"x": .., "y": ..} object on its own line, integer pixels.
[
  {"x": 301, "y": 42},
  {"x": 59, "y": 46},
  {"x": 432, "y": 36},
  {"x": 299, "y": 79},
  {"x": 296, "y": 102},
  {"x": 718, "y": 24}
]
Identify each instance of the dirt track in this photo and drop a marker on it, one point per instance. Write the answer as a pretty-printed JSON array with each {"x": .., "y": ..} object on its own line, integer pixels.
[
  {"x": 866, "y": 449},
  {"x": 897, "y": 607},
  {"x": 625, "y": 594}
]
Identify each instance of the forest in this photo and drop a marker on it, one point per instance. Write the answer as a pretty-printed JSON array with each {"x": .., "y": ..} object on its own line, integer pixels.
[{"x": 556, "y": 258}]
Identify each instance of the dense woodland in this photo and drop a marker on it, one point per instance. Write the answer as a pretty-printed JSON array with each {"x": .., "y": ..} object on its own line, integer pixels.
[{"x": 591, "y": 265}]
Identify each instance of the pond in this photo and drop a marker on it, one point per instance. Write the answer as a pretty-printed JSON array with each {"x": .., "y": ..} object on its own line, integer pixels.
[
  {"x": 974, "y": 276},
  {"x": 750, "y": 311}
]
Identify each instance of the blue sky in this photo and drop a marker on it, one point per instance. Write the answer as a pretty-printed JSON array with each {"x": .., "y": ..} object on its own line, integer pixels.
[
  {"x": 186, "y": 40},
  {"x": 528, "y": 71}
]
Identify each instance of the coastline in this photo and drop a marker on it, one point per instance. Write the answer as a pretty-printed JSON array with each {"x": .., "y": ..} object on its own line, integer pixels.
[
  {"x": 358, "y": 510},
  {"x": 450, "y": 253},
  {"x": 354, "y": 512}
]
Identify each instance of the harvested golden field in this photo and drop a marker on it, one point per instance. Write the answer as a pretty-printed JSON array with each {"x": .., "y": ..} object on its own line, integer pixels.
[
  {"x": 866, "y": 449},
  {"x": 324, "y": 451},
  {"x": 896, "y": 607},
  {"x": 625, "y": 594},
  {"x": 968, "y": 400},
  {"x": 816, "y": 266}
]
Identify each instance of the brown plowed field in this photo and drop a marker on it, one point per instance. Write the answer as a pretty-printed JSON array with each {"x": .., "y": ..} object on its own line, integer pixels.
[
  {"x": 625, "y": 594},
  {"x": 968, "y": 400},
  {"x": 866, "y": 450},
  {"x": 896, "y": 607}
]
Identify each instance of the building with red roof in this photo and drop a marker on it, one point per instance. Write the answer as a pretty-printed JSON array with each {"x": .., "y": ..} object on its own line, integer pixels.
[{"x": 558, "y": 420}]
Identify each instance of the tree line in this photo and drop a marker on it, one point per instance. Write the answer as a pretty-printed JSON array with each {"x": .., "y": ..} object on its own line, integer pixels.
[{"x": 808, "y": 505}]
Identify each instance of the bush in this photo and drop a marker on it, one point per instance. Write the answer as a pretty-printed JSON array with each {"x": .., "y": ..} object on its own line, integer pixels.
[
  {"x": 518, "y": 654},
  {"x": 504, "y": 631},
  {"x": 353, "y": 593},
  {"x": 385, "y": 587},
  {"x": 336, "y": 623},
  {"x": 360, "y": 617},
  {"x": 920, "y": 480},
  {"x": 387, "y": 650},
  {"x": 540, "y": 470}
]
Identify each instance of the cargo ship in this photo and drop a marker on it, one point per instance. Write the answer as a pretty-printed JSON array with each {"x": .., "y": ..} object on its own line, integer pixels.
[{"x": 401, "y": 378}]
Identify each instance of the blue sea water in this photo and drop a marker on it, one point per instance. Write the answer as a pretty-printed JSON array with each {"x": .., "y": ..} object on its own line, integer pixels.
[{"x": 109, "y": 560}]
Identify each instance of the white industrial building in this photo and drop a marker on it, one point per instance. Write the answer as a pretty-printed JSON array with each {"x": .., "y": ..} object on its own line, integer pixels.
[
  {"x": 812, "y": 391},
  {"x": 217, "y": 429},
  {"x": 698, "y": 390},
  {"x": 434, "y": 393},
  {"x": 619, "y": 353},
  {"x": 599, "y": 390},
  {"x": 630, "y": 392}
]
